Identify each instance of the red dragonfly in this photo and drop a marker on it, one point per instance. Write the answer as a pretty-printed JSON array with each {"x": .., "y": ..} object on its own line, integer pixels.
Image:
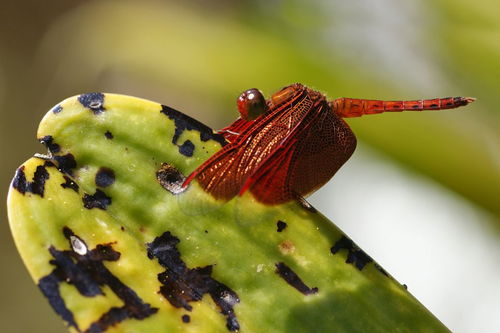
[{"x": 290, "y": 145}]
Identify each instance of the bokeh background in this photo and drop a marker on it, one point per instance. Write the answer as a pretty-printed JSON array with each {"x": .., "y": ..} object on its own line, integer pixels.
[{"x": 422, "y": 193}]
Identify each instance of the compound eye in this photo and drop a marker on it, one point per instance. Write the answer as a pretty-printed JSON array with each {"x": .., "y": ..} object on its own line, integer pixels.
[
  {"x": 283, "y": 95},
  {"x": 251, "y": 104}
]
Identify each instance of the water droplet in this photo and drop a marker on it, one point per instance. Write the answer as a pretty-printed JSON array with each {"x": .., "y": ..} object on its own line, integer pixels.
[
  {"x": 78, "y": 245},
  {"x": 229, "y": 298},
  {"x": 95, "y": 105},
  {"x": 170, "y": 178}
]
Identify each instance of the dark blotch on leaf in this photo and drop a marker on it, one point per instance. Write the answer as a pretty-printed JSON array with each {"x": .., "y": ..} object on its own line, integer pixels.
[
  {"x": 85, "y": 270},
  {"x": 108, "y": 135},
  {"x": 170, "y": 178},
  {"x": 104, "y": 177},
  {"x": 182, "y": 285},
  {"x": 280, "y": 225},
  {"x": 93, "y": 101},
  {"x": 186, "y": 319},
  {"x": 49, "y": 286},
  {"x": 37, "y": 186},
  {"x": 19, "y": 182},
  {"x": 56, "y": 109},
  {"x": 183, "y": 122},
  {"x": 293, "y": 279},
  {"x": 48, "y": 163},
  {"x": 98, "y": 200},
  {"x": 187, "y": 148},
  {"x": 65, "y": 163},
  {"x": 48, "y": 141},
  {"x": 355, "y": 255},
  {"x": 69, "y": 183}
]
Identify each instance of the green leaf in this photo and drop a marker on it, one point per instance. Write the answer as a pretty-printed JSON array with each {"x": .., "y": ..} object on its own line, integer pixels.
[{"x": 115, "y": 245}]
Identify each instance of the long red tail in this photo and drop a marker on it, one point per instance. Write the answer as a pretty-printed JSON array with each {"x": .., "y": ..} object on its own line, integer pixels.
[{"x": 353, "y": 107}]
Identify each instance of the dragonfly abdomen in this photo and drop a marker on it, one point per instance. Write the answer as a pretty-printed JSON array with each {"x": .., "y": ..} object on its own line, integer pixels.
[{"x": 354, "y": 107}]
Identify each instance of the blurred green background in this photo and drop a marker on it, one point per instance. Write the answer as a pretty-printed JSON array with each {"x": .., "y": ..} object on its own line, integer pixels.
[{"x": 197, "y": 57}]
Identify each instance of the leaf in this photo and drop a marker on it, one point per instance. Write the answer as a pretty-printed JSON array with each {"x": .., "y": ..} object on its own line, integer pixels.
[{"x": 115, "y": 245}]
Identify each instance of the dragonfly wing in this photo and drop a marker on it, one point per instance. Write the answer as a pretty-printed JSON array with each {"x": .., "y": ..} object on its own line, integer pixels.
[
  {"x": 320, "y": 153},
  {"x": 261, "y": 146},
  {"x": 270, "y": 182},
  {"x": 218, "y": 175},
  {"x": 233, "y": 131}
]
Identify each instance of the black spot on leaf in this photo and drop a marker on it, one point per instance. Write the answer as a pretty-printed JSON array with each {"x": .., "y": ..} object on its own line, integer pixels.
[
  {"x": 186, "y": 319},
  {"x": 56, "y": 109},
  {"x": 104, "y": 177},
  {"x": 182, "y": 285},
  {"x": 108, "y": 135},
  {"x": 69, "y": 183},
  {"x": 65, "y": 163},
  {"x": 183, "y": 122},
  {"x": 48, "y": 141},
  {"x": 36, "y": 186},
  {"x": 84, "y": 269},
  {"x": 19, "y": 182},
  {"x": 49, "y": 286},
  {"x": 98, "y": 200},
  {"x": 48, "y": 163},
  {"x": 355, "y": 255},
  {"x": 187, "y": 148},
  {"x": 293, "y": 279},
  {"x": 93, "y": 101},
  {"x": 280, "y": 225}
]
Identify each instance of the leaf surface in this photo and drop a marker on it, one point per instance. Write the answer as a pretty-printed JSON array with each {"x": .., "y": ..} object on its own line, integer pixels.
[{"x": 114, "y": 247}]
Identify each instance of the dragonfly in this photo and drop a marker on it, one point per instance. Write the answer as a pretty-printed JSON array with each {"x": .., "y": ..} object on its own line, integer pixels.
[{"x": 286, "y": 147}]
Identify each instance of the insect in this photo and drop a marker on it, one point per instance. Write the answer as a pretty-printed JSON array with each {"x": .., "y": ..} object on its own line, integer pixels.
[{"x": 288, "y": 146}]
